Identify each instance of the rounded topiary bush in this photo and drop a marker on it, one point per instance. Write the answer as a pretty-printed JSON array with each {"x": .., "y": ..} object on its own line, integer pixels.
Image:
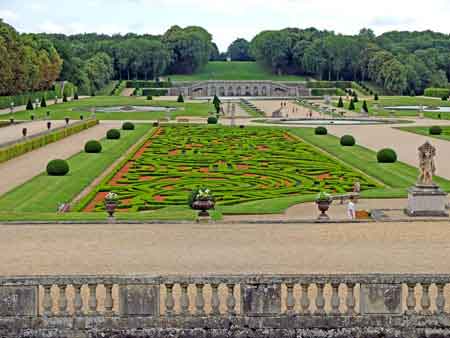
[
  {"x": 93, "y": 147},
  {"x": 57, "y": 167},
  {"x": 212, "y": 120},
  {"x": 348, "y": 141},
  {"x": 113, "y": 134},
  {"x": 128, "y": 126},
  {"x": 387, "y": 156},
  {"x": 435, "y": 130},
  {"x": 321, "y": 131}
]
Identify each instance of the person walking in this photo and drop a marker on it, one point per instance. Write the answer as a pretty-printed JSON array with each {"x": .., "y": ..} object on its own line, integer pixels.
[{"x": 351, "y": 209}]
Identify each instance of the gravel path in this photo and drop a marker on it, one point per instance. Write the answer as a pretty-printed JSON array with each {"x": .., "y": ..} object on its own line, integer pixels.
[
  {"x": 405, "y": 143},
  {"x": 223, "y": 248},
  {"x": 21, "y": 169}
]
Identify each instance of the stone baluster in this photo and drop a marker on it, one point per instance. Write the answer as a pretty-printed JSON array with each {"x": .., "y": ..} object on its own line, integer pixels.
[
  {"x": 350, "y": 300},
  {"x": 304, "y": 299},
  {"x": 411, "y": 299},
  {"x": 92, "y": 299},
  {"x": 320, "y": 300},
  {"x": 78, "y": 300},
  {"x": 335, "y": 300},
  {"x": 290, "y": 300},
  {"x": 231, "y": 301},
  {"x": 62, "y": 301},
  {"x": 109, "y": 301},
  {"x": 199, "y": 300},
  {"x": 184, "y": 299},
  {"x": 425, "y": 301},
  {"x": 440, "y": 299},
  {"x": 170, "y": 303},
  {"x": 215, "y": 300},
  {"x": 48, "y": 301}
]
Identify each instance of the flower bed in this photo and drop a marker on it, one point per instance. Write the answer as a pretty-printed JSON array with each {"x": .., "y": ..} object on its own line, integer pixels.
[{"x": 239, "y": 165}]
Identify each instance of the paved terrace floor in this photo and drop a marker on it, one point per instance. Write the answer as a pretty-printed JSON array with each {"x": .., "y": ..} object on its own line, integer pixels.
[{"x": 413, "y": 247}]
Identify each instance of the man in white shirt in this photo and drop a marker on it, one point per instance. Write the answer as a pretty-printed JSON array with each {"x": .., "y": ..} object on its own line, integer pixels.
[{"x": 351, "y": 209}]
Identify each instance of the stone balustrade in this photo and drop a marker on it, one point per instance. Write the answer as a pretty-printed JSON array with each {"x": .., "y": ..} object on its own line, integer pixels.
[{"x": 74, "y": 305}]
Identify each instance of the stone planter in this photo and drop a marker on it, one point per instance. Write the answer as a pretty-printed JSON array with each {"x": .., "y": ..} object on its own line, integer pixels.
[
  {"x": 323, "y": 206},
  {"x": 203, "y": 206},
  {"x": 110, "y": 207}
]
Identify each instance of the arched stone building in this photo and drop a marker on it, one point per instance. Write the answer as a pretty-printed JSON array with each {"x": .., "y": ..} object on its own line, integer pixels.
[{"x": 242, "y": 88}]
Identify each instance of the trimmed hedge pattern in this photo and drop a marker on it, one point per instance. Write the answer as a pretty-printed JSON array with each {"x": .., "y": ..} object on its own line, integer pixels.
[
  {"x": 437, "y": 92},
  {"x": 237, "y": 164},
  {"x": 21, "y": 148}
]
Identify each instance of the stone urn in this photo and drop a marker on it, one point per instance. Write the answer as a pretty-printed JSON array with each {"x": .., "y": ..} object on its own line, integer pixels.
[
  {"x": 203, "y": 206},
  {"x": 323, "y": 206},
  {"x": 110, "y": 207}
]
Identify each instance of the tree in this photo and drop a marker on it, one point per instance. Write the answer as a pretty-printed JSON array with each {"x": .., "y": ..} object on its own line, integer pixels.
[
  {"x": 364, "y": 106},
  {"x": 239, "y": 50},
  {"x": 43, "y": 102},
  {"x": 355, "y": 96},
  {"x": 376, "y": 97},
  {"x": 180, "y": 99},
  {"x": 351, "y": 105},
  {"x": 340, "y": 103},
  {"x": 29, "y": 105},
  {"x": 216, "y": 103}
]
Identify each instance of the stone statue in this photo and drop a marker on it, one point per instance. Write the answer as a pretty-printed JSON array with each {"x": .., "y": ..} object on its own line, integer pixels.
[{"x": 427, "y": 166}]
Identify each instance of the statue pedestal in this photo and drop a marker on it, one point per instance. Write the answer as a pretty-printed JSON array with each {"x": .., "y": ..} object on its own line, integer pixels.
[{"x": 426, "y": 201}]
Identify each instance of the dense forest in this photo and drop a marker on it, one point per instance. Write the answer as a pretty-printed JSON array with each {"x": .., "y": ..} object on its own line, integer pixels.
[{"x": 399, "y": 62}]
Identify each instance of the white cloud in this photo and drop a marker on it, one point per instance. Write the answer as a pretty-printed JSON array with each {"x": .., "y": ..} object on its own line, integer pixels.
[{"x": 8, "y": 15}]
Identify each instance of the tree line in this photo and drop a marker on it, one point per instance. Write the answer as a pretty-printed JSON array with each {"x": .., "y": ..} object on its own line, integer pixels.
[
  {"x": 27, "y": 62},
  {"x": 399, "y": 62}
]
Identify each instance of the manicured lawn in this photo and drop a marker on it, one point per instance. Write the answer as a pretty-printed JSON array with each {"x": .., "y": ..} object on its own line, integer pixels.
[
  {"x": 238, "y": 164},
  {"x": 425, "y": 131},
  {"x": 397, "y": 177},
  {"x": 74, "y": 109},
  {"x": 377, "y": 107},
  {"x": 43, "y": 193},
  {"x": 234, "y": 71}
]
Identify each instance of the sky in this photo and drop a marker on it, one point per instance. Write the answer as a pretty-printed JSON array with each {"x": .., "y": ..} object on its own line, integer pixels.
[{"x": 226, "y": 20}]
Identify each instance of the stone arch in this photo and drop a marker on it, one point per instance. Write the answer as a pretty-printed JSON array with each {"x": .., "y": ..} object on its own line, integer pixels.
[
  {"x": 247, "y": 91},
  {"x": 230, "y": 91},
  {"x": 222, "y": 91},
  {"x": 255, "y": 91},
  {"x": 213, "y": 90},
  {"x": 238, "y": 91}
]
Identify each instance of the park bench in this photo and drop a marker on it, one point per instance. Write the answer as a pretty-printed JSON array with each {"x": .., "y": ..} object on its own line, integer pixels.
[{"x": 347, "y": 196}]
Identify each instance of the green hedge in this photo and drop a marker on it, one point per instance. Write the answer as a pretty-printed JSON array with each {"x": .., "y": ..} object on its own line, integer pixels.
[
  {"x": 329, "y": 84},
  {"x": 22, "y": 99},
  {"x": 148, "y": 84},
  {"x": 327, "y": 91},
  {"x": 117, "y": 91},
  {"x": 21, "y": 148},
  {"x": 437, "y": 92},
  {"x": 154, "y": 92}
]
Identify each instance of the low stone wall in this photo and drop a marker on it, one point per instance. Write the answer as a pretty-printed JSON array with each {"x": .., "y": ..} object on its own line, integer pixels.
[{"x": 225, "y": 306}]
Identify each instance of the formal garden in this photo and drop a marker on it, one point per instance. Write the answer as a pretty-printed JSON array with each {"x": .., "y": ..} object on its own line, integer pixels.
[{"x": 238, "y": 164}]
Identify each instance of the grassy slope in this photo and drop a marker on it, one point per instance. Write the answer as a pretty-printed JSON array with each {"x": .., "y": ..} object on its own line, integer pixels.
[
  {"x": 425, "y": 131},
  {"x": 388, "y": 101},
  {"x": 82, "y": 107},
  {"x": 43, "y": 193},
  {"x": 234, "y": 71}
]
